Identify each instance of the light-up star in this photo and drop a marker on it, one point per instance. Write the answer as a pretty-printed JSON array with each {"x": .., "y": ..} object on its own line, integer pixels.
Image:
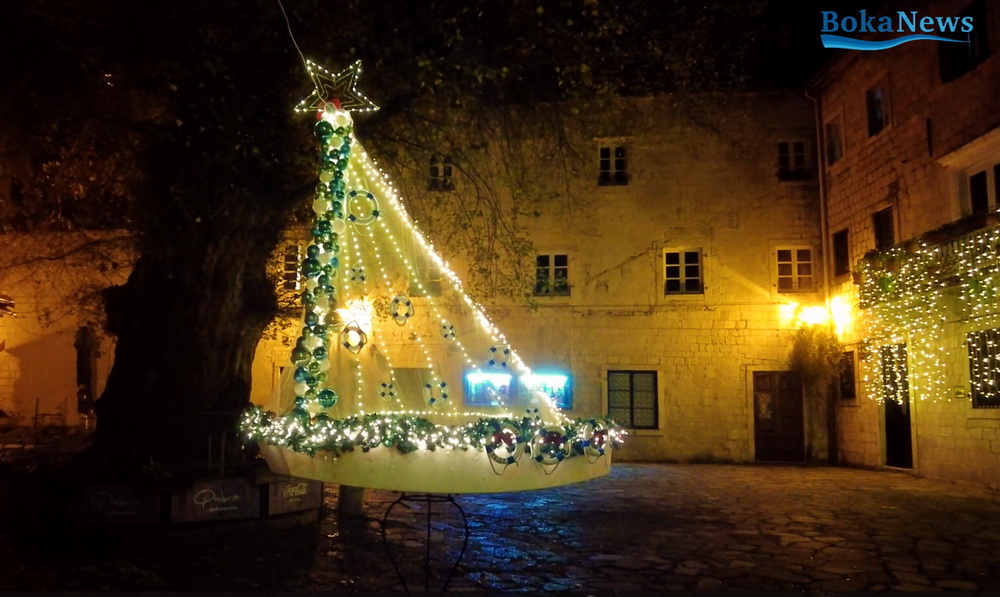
[{"x": 336, "y": 88}]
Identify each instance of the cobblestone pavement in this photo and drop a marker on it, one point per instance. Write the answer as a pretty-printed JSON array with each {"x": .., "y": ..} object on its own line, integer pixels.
[
  {"x": 682, "y": 527},
  {"x": 646, "y": 526}
]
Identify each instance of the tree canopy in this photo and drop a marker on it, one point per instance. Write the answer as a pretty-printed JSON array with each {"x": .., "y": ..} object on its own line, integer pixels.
[{"x": 173, "y": 120}]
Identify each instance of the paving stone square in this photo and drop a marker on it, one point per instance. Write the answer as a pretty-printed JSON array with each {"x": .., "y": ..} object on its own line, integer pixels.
[{"x": 645, "y": 526}]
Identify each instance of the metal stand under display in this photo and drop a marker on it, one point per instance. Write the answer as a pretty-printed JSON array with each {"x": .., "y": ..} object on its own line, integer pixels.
[{"x": 427, "y": 500}]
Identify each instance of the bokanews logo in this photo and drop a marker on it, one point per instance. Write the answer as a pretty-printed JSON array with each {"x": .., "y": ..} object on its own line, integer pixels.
[{"x": 917, "y": 27}]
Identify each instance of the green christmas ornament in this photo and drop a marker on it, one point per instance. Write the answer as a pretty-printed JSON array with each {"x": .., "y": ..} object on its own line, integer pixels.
[
  {"x": 327, "y": 398},
  {"x": 300, "y": 356},
  {"x": 323, "y": 130}
]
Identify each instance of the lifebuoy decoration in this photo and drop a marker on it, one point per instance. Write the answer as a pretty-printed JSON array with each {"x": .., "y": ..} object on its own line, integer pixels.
[
  {"x": 447, "y": 330},
  {"x": 595, "y": 438},
  {"x": 549, "y": 445},
  {"x": 388, "y": 390},
  {"x": 497, "y": 357},
  {"x": 364, "y": 215},
  {"x": 504, "y": 448},
  {"x": 401, "y": 309},
  {"x": 435, "y": 392},
  {"x": 357, "y": 274},
  {"x": 353, "y": 338}
]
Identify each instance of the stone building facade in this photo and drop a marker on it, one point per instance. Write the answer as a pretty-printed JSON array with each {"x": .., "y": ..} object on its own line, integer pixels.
[
  {"x": 666, "y": 282},
  {"x": 910, "y": 148},
  {"x": 670, "y": 271}
]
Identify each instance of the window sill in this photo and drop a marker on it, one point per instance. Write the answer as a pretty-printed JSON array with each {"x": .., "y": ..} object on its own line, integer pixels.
[
  {"x": 881, "y": 133},
  {"x": 983, "y": 413},
  {"x": 645, "y": 433},
  {"x": 794, "y": 176}
]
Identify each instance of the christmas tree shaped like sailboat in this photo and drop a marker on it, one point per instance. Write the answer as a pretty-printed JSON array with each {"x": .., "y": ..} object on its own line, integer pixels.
[{"x": 399, "y": 380}]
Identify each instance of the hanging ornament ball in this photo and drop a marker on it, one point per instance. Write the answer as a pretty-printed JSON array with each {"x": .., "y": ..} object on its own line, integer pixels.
[
  {"x": 326, "y": 176},
  {"x": 311, "y": 267},
  {"x": 327, "y": 398},
  {"x": 323, "y": 129},
  {"x": 497, "y": 357},
  {"x": 301, "y": 374},
  {"x": 320, "y": 353},
  {"x": 301, "y": 414},
  {"x": 311, "y": 318},
  {"x": 338, "y": 226},
  {"x": 301, "y": 388},
  {"x": 313, "y": 342},
  {"x": 300, "y": 356},
  {"x": 341, "y": 119},
  {"x": 322, "y": 205}
]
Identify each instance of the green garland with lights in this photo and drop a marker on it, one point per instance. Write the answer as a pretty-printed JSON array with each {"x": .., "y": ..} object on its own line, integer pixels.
[{"x": 408, "y": 433}]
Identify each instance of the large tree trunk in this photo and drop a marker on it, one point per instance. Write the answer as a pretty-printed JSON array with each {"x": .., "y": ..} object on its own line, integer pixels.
[{"x": 187, "y": 324}]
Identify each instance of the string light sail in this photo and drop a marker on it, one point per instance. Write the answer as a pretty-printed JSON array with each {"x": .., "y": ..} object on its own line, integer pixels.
[{"x": 398, "y": 379}]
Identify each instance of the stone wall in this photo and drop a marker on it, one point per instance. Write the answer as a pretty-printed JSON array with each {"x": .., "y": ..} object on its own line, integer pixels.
[
  {"x": 704, "y": 178},
  {"x": 917, "y": 166},
  {"x": 54, "y": 298}
]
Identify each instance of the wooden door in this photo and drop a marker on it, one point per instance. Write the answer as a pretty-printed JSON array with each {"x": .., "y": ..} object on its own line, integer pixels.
[
  {"x": 895, "y": 384},
  {"x": 778, "y": 423}
]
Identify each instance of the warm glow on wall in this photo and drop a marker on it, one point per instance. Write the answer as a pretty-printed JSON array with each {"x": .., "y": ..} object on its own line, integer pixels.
[
  {"x": 359, "y": 311},
  {"x": 797, "y": 315},
  {"x": 787, "y": 312},
  {"x": 841, "y": 312},
  {"x": 813, "y": 316}
]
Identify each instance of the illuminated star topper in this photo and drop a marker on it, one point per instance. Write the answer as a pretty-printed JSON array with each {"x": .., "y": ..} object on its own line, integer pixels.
[{"x": 339, "y": 89}]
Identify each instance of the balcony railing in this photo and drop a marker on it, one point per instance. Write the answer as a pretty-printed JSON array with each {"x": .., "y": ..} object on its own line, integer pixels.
[{"x": 963, "y": 254}]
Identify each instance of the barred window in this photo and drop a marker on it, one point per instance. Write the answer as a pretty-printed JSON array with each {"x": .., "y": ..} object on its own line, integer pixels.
[
  {"x": 632, "y": 398},
  {"x": 793, "y": 161},
  {"x": 683, "y": 272},
  {"x": 834, "y": 141},
  {"x": 841, "y": 253},
  {"x": 613, "y": 165},
  {"x": 552, "y": 275},
  {"x": 877, "y": 108},
  {"x": 984, "y": 367},
  {"x": 848, "y": 385},
  {"x": 425, "y": 277},
  {"x": 439, "y": 176},
  {"x": 795, "y": 270},
  {"x": 290, "y": 267}
]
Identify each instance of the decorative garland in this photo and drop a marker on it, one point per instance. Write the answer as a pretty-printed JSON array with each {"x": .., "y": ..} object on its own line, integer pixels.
[
  {"x": 905, "y": 294},
  {"x": 298, "y": 431}
]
